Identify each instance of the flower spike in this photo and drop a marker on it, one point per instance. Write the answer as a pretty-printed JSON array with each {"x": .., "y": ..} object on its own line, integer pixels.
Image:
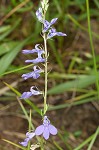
[{"x": 46, "y": 128}]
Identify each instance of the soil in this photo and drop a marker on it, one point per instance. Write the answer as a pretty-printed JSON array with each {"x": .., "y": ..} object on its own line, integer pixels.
[{"x": 82, "y": 119}]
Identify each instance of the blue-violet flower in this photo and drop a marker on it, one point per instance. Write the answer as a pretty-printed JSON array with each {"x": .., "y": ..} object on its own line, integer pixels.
[
  {"x": 35, "y": 61},
  {"x": 46, "y": 129},
  {"x": 26, "y": 95},
  {"x": 39, "y": 14},
  {"x": 29, "y": 136},
  {"x": 39, "y": 53},
  {"x": 34, "y": 74},
  {"x": 36, "y": 50},
  {"x": 47, "y": 24},
  {"x": 52, "y": 32}
]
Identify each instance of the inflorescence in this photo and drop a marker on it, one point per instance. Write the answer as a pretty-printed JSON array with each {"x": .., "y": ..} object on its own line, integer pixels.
[{"x": 47, "y": 33}]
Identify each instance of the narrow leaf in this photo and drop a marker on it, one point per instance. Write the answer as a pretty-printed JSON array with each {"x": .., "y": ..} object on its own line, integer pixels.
[{"x": 75, "y": 84}]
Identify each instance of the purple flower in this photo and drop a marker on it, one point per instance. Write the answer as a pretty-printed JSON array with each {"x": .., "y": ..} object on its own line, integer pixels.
[
  {"x": 25, "y": 142},
  {"x": 29, "y": 51},
  {"x": 36, "y": 50},
  {"x": 46, "y": 129},
  {"x": 39, "y": 14},
  {"x": 26, "y": 95},
  {"x": 29, "y": 136},
  {"x": 39, "y": 58},
  {"x": 35, "y": 61},
  {"x": 47, "y": 24},
  {"x": 34, "y": 74},
  {"x": 52, "y": 32}
]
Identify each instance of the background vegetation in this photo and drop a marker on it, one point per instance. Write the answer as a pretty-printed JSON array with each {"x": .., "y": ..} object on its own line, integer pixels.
[{"x": 74, "y": 78}]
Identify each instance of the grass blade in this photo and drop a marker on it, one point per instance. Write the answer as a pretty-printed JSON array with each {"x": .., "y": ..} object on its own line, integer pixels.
[
  {"x": 4, "y": 28},
  {"x": 57, "y": 145},
  {"x": 8, "y": 46},
  {"x": 92, "y": 46},
  {"x": 80, "y": 26},
  {"x": 94, "y": 138},
  {"x": 72, "y": 104},
  {"x": 34, "y": 107},
  {"x": 26, "y": 114},
  {"x": 7, "y": 59},
  {"x": 57, "y": 55},
  {"x": 10, "y": 30},
  {"x": 17, "y": 70},
  {"x": 75, "y": 84},
  {"x": 14, "y": 144}
]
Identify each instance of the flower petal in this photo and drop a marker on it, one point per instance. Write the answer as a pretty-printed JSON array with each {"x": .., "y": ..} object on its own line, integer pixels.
[
  {"x": 36, "y": 75},
  {"x": 28, "y": 75},
  {"x": 50, "y": 35},
  {"x": 48, "y": 25},
  {"x": 30, "y": 135},
  {"x": 39, "y": 14},
  {"x": 53, "y": 32},
  {"x": 46, "y": 133},
  {"x": 29, "y": 51},
  {"x": 53, "y": 21},
  {"x": 52, "y": 129},
  {"x": 37, "y": 60},
  {"x": 60, "y": 34},
  {"x": 37, "y": 46},
  {"x": 26, "y": 95},
  {"x": 35, "y": 92},
  {"x": 25, "y": 142},
  {"x": 39, "y": 130}
]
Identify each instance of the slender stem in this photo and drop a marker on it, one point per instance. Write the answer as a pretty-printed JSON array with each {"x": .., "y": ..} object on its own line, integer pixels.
[
  {"x": 42, "y": 144},
  {"x": 45, "y": 48},
  {"x": 45, "y": 92},
  {"x": 29, "y": 129}
]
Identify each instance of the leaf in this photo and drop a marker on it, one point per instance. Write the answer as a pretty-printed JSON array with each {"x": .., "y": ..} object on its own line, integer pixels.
[
  {"x": 93, "y": 140},
  {"x": 75, "y": 84},
  {"x": 57, "y": 55},
  {"x": 10, "y": 30},
  {"x": 4, "y": 28},
  {"x": 7, "y": 59},
  {"x": 27, "y": 100},
  {"x": 80, "y": 102},
  {"x": 7, "y": 46},
  {"x": 14, "y": 144},
  {"x": 17, "y": 70}
]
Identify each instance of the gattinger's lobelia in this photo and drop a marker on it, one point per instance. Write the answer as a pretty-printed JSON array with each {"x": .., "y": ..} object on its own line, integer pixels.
[{"x": 46, "y": 128}]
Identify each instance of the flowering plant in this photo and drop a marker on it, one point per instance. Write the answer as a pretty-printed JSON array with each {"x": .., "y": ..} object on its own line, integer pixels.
[{"x": 47, "y": 33}]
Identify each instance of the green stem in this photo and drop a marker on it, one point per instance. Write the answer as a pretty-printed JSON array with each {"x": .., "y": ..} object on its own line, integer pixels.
[
  {"x": 45, "y": 92},
  {"x": 42, "y": 144},
  {"x": 92, "y": 46},
  {"x": 46, "y": 55}
]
